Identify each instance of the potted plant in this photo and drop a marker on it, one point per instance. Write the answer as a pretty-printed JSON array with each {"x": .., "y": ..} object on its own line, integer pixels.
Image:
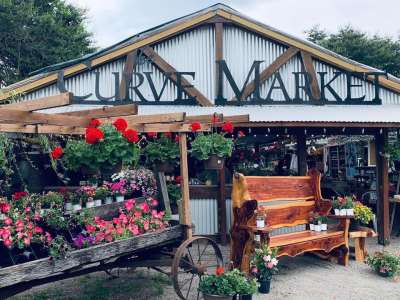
[
  {"x": 161, "y": 153},
  {"x": 362, "y": 214},
  {"x": 67, "y": 201},
  {"x": 338, "y": 205},
  {"x": 106, "y": 148},
  {"x": 263, "y": 266},
  {"x": 100, "y": 195},
  {"x": 324, "y": 223},
  {"x": 384, "y": 263},
  {"x": 349, "y": 206},
  {"x": 139, "y": 182},
  {"x": 76, "y": 202},
  {"x": 311, "y": 220},
  {"x": 87, "y": 193},
  {"x": 175, "y": 196},
  {"x": 245, "y": 287},
  {"x": 219, "y": 286},
  {"x": 212, "y": 148},
  {"x": 317, "y": 223}
]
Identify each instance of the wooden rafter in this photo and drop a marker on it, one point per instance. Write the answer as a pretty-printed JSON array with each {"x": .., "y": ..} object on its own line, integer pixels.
[
  {"x": 127, "y": 74},
  {"x": 170, "y": 71},
  {"x": 309, "y": 68},
  {"x": 269, "y": 71},
  {"x": 219, "y": 54},
  {"x": 105, "y": 112},
  {"x": 62, "y": 99}
]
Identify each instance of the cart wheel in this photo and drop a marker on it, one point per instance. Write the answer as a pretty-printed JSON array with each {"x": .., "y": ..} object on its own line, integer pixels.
[{"x": 194, "y": 258}]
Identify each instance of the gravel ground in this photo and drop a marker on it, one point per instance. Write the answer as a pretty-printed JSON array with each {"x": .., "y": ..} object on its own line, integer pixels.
[{"x": 300, "y": 278}]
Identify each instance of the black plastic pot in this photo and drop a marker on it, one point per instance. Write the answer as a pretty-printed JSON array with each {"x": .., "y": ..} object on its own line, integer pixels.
[
  {"x": 214, "y": 163},
  {"x": 264, "y": 287},
  {"x": 354, "y": 225},
  {"x": 245, "y": 297},
  {"x": 164, "y": 166}
]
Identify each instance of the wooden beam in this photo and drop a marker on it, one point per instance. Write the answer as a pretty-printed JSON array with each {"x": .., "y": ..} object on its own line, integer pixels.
[
  {"x": 269, "y": 71},
  {"x": 317, "y": 124},
  {"x": 222, "y": 222},
  {"x": 219, "y": 55},
  {"x": 208, "y": 118},
  {"x": 41, "y": 103},
  {"x": 185, "y": 217},
  {"x": 309, "y": 68},
  {"x": 170, "y": 72},
  {"x": 382, "y": 172},
  {"x": 127, "y": 74},
  {"x": 105, "y": 112},
  {"x": 301, "y": 154},
  {"x": 157, "y": 118}
]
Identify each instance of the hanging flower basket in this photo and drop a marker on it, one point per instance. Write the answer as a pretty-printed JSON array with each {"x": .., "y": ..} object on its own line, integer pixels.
[
  {"x": 214, "y": 163},
  {"x": 163, "y": 166}
]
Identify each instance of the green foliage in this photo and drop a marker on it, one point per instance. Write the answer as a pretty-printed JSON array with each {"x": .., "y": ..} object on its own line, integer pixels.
[
  {"x": 221, "y": 285},
  {"x": 162, "y": 149},
  {"x": 34, "y": 34},
  {"x": 242, "y": 284},
  {"x": 113, "y": 150},
  {"x": 363, "y": 213},
  {"x": 174, "y": 193},
  {"x": 55, "y": 219},
  {"x": 384, "y": 263},
  {"x": 376, "y": 51},
  {"x": 59, "y": 248},
  {"x": 101, "y": 193},
  {"x": 7, "y": 157},
  {"x": 204, "y": 146},
  {"x": 52, "y": 200}
]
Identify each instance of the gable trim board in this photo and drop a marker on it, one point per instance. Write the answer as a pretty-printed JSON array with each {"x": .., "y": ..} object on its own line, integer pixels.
[{"x": 178, "y": 26}]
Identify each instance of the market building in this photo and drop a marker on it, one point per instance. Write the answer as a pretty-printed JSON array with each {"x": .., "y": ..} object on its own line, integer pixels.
[{"x": 217, "y": 60}]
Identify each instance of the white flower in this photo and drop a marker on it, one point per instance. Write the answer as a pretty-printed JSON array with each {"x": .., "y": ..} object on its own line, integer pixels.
[{"x": 274, "y": 261}]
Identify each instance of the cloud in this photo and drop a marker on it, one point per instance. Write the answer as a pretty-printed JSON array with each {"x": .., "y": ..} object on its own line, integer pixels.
[{"x": 114, "y": 20}]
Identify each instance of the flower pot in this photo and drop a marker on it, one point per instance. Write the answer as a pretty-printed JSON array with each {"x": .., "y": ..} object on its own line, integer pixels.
[
  {"x": 89, "y": 204},
  {"x": 317, "y": 228},
  {"x": 246, "y": 297},
  {"x": 98, "y": 202},
  {"x": 324, "y": 227},
  {"x": 214, "y": 163},
  {"x": 120, "y": 198},
  {"x": 163, "y": 166},
  {"x": 312, "y": 227},
  {"x": 384, "y": 274},
  {"x": 76, "y": 207},
  {"x": 68, "y": 206},
  {"x": 337, "y": 211},
  {"x": 350, "y": 212},
  {"x": 109, "y": 200},
  {"x": 216, "y": 297},
  {"x": 343, "y": 212},
  {"x": 265, "y": 286},
  {"x": 354, "y": 225}
]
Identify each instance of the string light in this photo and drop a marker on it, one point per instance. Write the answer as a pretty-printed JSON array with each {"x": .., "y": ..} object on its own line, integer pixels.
[
  {"x": 344, "y": 129},
  {"x": 324, "y": 130},
  {"x": 362, "y": 131}
]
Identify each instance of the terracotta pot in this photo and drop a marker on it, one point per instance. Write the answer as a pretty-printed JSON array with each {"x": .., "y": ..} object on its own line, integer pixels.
[
  {"x": 214, "y": 163},
  {"x": 216, "y": 297},
  {"x": 164, "y": 166}
]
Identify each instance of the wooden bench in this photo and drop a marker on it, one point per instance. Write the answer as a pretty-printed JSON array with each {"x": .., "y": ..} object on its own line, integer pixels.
[
  {"x": 359, "y": 237},
  {"x": 287, "y": 201}
]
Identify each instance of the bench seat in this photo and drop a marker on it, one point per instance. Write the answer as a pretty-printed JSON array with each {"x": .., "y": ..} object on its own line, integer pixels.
[{"x": 301, "y": 236}]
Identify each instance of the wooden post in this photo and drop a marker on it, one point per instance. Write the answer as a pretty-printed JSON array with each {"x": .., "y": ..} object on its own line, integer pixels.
[
  {"x": 382, "y": 176},
  {"x": 302, "y": 153},
  {"x": 162, "y": 187},
  {"x": 219, "y": 55},
  {"x": 185, "y": 217},
  {"x": 222, "y": 207}
]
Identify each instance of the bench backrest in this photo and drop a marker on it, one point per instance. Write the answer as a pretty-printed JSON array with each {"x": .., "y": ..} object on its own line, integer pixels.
[{"x": 287, "y": 200}]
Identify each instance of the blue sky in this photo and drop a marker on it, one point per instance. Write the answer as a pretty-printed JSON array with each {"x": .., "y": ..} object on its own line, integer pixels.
[{"x": 114, "y": 20}]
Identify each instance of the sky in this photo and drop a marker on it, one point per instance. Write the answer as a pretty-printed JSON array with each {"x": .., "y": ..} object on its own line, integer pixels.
[{"x": 111, "y": 21}]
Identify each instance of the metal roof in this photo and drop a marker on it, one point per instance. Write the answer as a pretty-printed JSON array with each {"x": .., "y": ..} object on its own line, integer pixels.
[{"x": 291, "y": 113}]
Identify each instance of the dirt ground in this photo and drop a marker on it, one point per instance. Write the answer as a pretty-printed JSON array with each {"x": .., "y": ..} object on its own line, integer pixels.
[{"x": 301, "y": 278}]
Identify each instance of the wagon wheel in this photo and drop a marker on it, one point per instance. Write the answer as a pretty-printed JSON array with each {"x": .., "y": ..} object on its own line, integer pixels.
[{"x": 194, "y": 258}]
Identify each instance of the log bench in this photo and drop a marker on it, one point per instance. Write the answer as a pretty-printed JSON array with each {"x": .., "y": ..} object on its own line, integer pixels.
[{"x": 287, "y": 201}]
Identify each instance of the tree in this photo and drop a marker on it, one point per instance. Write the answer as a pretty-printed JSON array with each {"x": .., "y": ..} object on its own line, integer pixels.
[
  {"x": 376, "y": 51},
  {"x": 38, "y": 33}
]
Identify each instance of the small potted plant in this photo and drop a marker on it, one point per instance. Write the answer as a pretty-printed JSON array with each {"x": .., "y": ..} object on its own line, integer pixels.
[
  {"x": 260, "y": 217},
  {"x": 349, "y": 206},
  {"x": 87, "y": 193},
  {"x": 362, "y": 214},
  {"x": 218, "y": 286},
  {"x": 118, "y": 189},
  {"x": 100, "y": 195},
  {"x": 245, "y": 287},
  {"x": 384, "y": 263},
  {"x": 161, "y": 153},
  {"x": 264, "y": 266},
  {"x": 76, "y": 202},
  {"x": 67, "y": 201},
  {"x": 212, "y": 148},
  {"x": 311, "y": 220},
  {"x": 324, "y": 223},
  {"x": 317, "y": 223}
]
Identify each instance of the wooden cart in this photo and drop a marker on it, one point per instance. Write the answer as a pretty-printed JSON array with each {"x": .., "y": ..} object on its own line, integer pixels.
[{"x": 188, "y": 257}]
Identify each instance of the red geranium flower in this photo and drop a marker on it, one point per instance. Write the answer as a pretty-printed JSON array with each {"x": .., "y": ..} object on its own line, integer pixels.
[
  {"x": 195, "y": 126},
  {"x": 131, "y": 135},
  {"x": 120, "y": 124},
  {"x": 19, "y": 195},
  {"x": 94, "y": 123},
  {"x": 93, "y": 135},
  {"x": 177, "y": 138},
  {"x": 57, "y": 152},
  {"x": 152, "y": 134},
  {"x": 168, "y": 134},
  {"x": 219, "y": 271},
  {"x": 227, "y": 127},
  {"x": 178, "y": 179}
]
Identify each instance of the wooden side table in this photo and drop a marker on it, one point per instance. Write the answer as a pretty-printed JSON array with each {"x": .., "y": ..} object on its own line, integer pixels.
[{"x": 359, "y": 236}]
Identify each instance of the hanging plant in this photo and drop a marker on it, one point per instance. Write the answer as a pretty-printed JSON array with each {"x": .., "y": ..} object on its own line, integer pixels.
[{"x": 163, "y": 150}]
